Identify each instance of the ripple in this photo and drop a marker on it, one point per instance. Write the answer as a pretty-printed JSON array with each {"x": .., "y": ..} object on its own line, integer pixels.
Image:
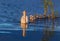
[{"x": 4, "y": 32}]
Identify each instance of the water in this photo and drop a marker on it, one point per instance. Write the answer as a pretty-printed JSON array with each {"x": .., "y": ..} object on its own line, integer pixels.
[{"x": 41, "y": 30}]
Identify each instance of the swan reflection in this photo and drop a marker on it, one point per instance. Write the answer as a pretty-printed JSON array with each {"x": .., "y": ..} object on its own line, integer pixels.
[{"x": 24, "y": 27}]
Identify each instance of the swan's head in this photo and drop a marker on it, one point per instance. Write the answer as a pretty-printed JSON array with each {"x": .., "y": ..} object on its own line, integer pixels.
[{"x": 24, "y": 13}]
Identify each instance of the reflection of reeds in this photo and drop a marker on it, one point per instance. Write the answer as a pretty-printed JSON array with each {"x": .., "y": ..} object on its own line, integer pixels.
[{"x": 47, "y": 32}]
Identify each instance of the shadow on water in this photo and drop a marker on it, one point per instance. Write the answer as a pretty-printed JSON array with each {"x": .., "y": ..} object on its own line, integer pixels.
[{"x": 48, "y": 33}]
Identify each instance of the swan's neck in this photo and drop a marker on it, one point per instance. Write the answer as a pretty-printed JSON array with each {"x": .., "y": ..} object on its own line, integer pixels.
[{"x": 24, "y": 15}]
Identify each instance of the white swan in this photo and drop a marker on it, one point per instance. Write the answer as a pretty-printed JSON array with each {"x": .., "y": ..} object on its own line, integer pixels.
[{"x": 24, "y": 18}]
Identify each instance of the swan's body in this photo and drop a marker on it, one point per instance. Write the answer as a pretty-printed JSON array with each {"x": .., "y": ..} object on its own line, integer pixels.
[{"x": 24, "y": 19}]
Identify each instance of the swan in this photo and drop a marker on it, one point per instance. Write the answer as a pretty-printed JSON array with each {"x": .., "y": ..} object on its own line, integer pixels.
[{"x": 24, "y": 18}]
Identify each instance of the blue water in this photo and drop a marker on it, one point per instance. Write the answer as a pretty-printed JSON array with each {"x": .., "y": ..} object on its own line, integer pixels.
[
  {"x": 35, "y": 31},
  {"x": 30, "y": 36}
]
